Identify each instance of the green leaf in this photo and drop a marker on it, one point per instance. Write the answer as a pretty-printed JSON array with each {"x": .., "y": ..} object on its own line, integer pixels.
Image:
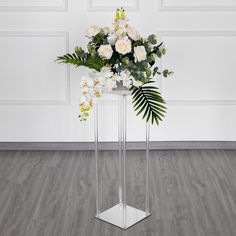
[
  {"x": 84, "y": 59},
  {"x": 148, "y": 101},
  {"x": 165, "y": 73}
]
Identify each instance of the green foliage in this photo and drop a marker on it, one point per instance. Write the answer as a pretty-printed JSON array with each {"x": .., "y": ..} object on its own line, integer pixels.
[
  {"x": 79, "y": 58},
  {"x": 99, "y": 39},
  {"x": 152, "y": 39},
  {"x": 167, "y": 73},
  {"x": 146, "y": 98},
  {"x": 148, "y": 102}
]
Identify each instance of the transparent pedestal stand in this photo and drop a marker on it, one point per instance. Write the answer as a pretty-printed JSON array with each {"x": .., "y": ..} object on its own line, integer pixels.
[{"x": 121, "y": 215}]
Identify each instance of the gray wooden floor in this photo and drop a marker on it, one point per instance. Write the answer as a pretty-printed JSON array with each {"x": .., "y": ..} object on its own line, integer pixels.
[{"x": 47, "y": 193}]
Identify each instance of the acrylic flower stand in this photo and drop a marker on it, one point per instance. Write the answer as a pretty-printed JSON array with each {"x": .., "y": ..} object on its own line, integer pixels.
[{"x": 121, "y": 214}]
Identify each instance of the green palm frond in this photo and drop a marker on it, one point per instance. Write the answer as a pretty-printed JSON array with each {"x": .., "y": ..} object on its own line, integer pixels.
[
  {"x": 148, "y": 102},
  {"x": 91, "y": 62}
]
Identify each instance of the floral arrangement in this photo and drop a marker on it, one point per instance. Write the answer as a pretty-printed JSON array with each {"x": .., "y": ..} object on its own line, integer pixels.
[{"x": 120, "y": 57}]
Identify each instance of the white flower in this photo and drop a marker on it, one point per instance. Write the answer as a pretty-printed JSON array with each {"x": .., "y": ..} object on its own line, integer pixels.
[
  {"x": 106, "y": 72},
  {"x": 133, "y": 33},
  {"x": 86, "y": 81},
  {"x": 85, "y": 98},
  {"x": 84, "y": 89},
  {"x": 100, "y": 80},
  {"x": 140, "y": 53},
  {"x": 97, "y": 91},
  {"x": 112, "y": 38},
  {"x": 106, "y": 30},
  {"x": 126, "y": 79},
  {"x": 105, "y": 51},
  {"x": 90, "y": 82},
  {"x": 116, "y": 77},
  {"x": 109, "y": 85},
  {"x": 163, "y": 49},
  {"x": 85, "y": 101},
  {"x": 137, "y": 83},
  {"x": 83, "y": 81},
  {"x": 92, "y": 31},
  {"x": 127, "y": 83},
  {"x": 123, "y": 46}
]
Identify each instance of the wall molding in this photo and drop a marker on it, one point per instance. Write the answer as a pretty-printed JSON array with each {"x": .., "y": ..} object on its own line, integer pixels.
[
  {"x": 96, "y": 8},
  {"x": 163, "y": 7},
  {"x": 63, "y": 34},
  {"x": 46, "y": 8},
  {"x": 198, "y": 33},
  {"x": 83, "y": 146}
]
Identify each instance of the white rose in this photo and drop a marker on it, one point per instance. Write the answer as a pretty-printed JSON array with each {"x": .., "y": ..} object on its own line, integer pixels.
[
  {"x": 123, "y": 46},
  {"x": 133, "y": 33},
  {"x": 140, "y": 53},
  {"x": 92, "y": 31},
  {"x": 112, "y": 38},
  {"x": 105, "y": 51},
  {"x": 106, "y": 30}
]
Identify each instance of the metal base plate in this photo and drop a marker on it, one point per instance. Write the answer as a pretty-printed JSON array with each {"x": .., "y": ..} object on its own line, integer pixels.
[{"x": 114, "y": 216}]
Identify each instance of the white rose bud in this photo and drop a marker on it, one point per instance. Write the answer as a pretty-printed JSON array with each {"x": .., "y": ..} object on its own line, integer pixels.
[
  {"x": 105, "y": 51},
  {"x": 140, "y": 53},
  {"x": 123, "y": 46},
  {"x": 163, "y": 49},
  {"x": 92, "y": 31},
  {"x": 133, "y": 34}
]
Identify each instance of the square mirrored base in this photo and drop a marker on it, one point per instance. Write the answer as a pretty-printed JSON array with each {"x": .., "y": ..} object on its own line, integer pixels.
[{"x": 114, "y": 216}]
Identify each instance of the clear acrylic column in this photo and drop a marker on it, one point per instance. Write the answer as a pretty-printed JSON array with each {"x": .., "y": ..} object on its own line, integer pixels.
[{"x": 121, "y": 215}]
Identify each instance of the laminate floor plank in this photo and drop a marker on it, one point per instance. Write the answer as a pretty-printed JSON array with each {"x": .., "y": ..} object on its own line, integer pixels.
[{"x": 52, "y": 193}]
